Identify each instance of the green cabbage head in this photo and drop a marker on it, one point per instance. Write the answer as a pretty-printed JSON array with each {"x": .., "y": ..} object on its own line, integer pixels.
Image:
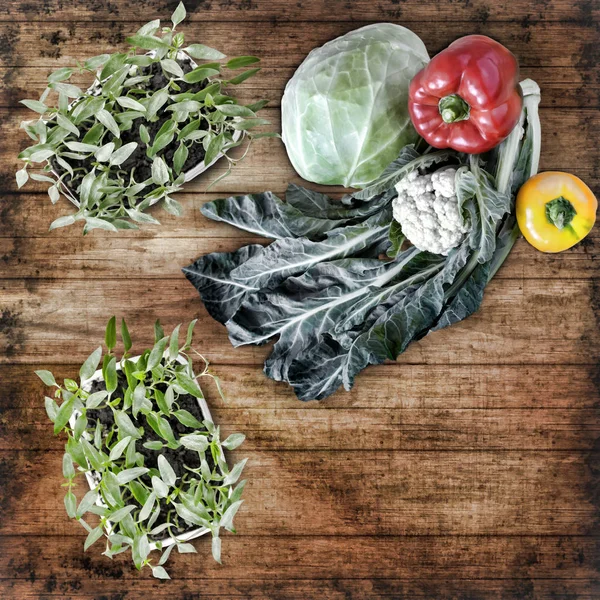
[{"x": 345, "y": 110}]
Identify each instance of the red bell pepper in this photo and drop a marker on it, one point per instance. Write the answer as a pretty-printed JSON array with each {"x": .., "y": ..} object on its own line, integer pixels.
[{"x": 468, "y": 96}]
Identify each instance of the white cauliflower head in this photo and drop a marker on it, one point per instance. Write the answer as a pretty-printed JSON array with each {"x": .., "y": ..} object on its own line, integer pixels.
[{"x": 428, "y": 213}]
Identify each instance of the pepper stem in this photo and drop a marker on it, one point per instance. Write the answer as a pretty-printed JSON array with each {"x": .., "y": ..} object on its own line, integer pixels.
[
  {"x": 560, "y": 212},
  {"x": 453, "y": 108}
]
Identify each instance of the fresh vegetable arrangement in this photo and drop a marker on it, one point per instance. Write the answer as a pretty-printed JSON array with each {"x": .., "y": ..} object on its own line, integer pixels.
[
  {"x": 149, "y": 122},
  {"x": 140, "y": 432},
  {"x": 322, "y": 286}
]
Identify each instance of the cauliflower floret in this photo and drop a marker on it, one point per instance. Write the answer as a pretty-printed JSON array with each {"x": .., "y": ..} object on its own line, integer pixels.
[{"x": 428, "y": 213}]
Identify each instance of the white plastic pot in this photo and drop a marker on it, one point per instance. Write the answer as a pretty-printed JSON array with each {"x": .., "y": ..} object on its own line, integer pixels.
[
  {"x": 189, "y": 175},
  {"x": 93, "y": 478}
]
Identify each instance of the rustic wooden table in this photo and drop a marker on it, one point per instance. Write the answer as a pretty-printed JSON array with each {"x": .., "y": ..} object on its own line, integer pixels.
[{"x": 468, "y": 469}]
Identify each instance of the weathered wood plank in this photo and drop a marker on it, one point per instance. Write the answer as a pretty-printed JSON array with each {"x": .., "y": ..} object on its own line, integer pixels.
[
  {"x": 562, "y": 57},
  {"x": 392, "y": 387},
  {"x": 391, "y": 493},
  {"x": 477, "y": 11},
  {"x": 362, "y": 429},
  {"x": 66, "y": 254},
  {"x": 562, "y": 87},
  {"x": 45, "y": 321},
  {"x": 70, "y": 587},
  {"x": 374, "y": 416},
  {"x": 267, "y": 165}
]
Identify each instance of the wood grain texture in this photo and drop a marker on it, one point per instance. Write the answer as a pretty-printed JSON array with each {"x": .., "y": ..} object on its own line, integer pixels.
[
  {"x": 45, "y": 319},
  {"x": 479, "y": 12},
  {"x": 469, "y": 469}
]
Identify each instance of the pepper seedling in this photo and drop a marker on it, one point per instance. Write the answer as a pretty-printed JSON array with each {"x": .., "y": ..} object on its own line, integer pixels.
[
  {"x": 138, "y": 429},
  {"x": 151, "y": 120}
]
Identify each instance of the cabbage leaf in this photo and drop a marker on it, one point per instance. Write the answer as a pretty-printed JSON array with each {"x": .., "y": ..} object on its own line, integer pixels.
[{"x": 345, "y": 111}]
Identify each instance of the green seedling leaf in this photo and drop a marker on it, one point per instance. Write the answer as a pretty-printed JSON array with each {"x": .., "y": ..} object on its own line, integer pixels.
[
  {"x": 235, "y": 110},
  {"x": 67, "y": 466},
  {"x": 125, "y": 424},
  {"x": 138, "y": 397},
  {"x": 190, "y": 334},
  {"x": 165, "y": 555},
  {"x": 149, "y": 28},
  {"x": 171, "y": 66},
  {"x": 71, "y": 385},
  {"x": 157, "y": 101},
  {"x": 227, "y": 519},
  {"x": 235, "y": 473},
  {"x": 140, "y": 493},
  {"x": 243, "y": 76},
  {"x": 179, "y": 158},
  {"x": 70, "y": 91},
  {"x": 166, "y": 471},
  {"x": 242, "y": 61},
  {"x": 91, "y": 364},
  {"x": 105, "y": 152},
  {"x": 82, "y": 147},
  {"x": 120, "y": 514},
  {"x": 46, "y": 377},
  {"x": 131, "y": 104},
  {"x": 71, "y": 504},
  {"x": 146, "y": 42},
  {"x": 154, "y": 445},
  {"x": 81, "y": 424},
  {"x": 216, "y": 548},
  {"x": 54, "y": 194},
  {"x": 87, "y": 502},
  {"x": 93, "y": 537},
  {"x": 160, "y": 172},
  {"x": 110, "y": 335},
  {"x": 196, "y": 442},
  {"x": 67, "y": 124},
  {"x": 64, "y": 414},
  {"x": 156, "y": 354},
  {"x": 189, "y": 385},
  {"x": 160, "y": 487},
  {"x": 94, "y": 400},
  {"x": 60, "y": 75},
  {"x": 109, "y": 122},
  {"x": 201, "y": 52},
  {"x": 95, "y": 62},
  {"x": 248, "y": 124},
  {"x": 160, "y": 573},
  {"x": 233, "y": 441},
  {"x": 51, "y": 408},
  {"x": 147, "y": 507},
  {"x": 178, "y": 15},
  {"x": 35, "y": 105},
  {"x": 123, "y": 153},
  {"x": 130, "y": 474},
  {"x": 118, "y": 449},
  {"x": 110, "y": 375},
  {"x": 200, "y": 74},
  {"x": 188, "y": 419},
  {"x": 22, "y": 177},
  {"x": 125, "y": 336},
  {"x": 62, "y": 222}
]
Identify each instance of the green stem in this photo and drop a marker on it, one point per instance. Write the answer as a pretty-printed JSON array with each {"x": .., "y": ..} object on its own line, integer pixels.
[
  {"x": 453, "y": 108},
  {"x": 560, "y": 212}
]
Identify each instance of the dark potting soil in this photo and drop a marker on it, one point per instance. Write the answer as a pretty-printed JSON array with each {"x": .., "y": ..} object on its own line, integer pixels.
[
  {"x": 177, "y": 458},
  {"x": 138, "y": 161}
]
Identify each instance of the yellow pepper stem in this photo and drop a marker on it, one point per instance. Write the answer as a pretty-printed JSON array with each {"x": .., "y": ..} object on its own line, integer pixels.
[{"x": 560, "y": 212}]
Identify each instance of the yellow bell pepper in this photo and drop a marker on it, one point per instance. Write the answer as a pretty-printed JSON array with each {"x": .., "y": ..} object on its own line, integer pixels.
[{"x": 555, "y": 210}]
